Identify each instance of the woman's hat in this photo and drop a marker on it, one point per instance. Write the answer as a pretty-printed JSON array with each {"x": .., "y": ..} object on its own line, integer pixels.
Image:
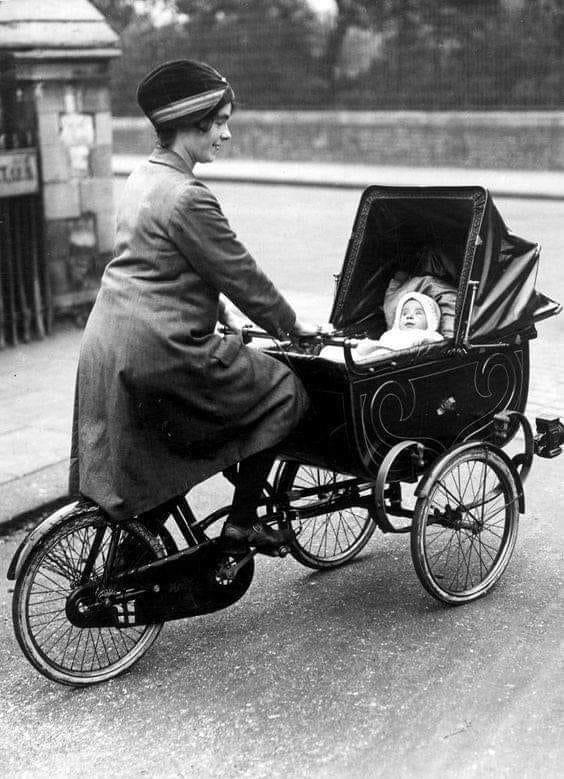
[{"x": 180, "y": 89}]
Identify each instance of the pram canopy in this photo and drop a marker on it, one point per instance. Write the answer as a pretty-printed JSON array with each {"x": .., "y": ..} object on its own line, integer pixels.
[{"x": 455, "y": 234}]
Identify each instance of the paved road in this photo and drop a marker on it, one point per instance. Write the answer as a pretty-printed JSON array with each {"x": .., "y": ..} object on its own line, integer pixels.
[{"x": 351, "y": 673}]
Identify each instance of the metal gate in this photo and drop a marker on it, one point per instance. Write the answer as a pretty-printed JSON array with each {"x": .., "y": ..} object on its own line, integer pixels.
[{"x": 25, "y": 308}]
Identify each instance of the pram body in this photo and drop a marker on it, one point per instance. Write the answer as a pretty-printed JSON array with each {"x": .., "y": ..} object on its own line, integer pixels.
[{"x": 437, "y": 394}]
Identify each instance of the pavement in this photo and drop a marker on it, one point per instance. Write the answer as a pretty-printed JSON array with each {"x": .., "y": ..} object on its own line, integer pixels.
[
  {"x": 37, "y": 379},
  {"x": 546, "y": 185}
]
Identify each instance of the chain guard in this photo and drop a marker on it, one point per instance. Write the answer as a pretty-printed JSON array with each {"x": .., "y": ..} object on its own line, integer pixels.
[{"x": 192, "y": 582}]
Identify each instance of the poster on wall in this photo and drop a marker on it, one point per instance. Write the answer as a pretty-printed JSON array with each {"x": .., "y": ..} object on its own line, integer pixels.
[
  {"x": 77, "y": 133},
  {"x": 18, "y": 173}
]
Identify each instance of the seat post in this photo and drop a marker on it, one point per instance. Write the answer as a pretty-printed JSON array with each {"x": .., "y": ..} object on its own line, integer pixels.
[{"x": 186, "y": 521}]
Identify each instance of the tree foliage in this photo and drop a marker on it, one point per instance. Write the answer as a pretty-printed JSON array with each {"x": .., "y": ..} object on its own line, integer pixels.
[
  {"x": 426, "y": 53},
  {"x": 265, "y": 48},
  {"x": 118, "y": 13}
]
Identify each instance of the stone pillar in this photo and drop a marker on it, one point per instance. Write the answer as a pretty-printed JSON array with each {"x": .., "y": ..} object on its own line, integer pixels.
[
  {"x": 74, "y": 140},
  {"x": 55, "y": 57}
]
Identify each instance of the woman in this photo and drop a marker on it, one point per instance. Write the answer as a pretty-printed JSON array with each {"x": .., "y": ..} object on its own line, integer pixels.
[{"x": 163, "y": 402}]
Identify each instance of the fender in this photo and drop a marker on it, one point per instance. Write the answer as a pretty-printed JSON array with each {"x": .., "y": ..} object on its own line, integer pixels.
[
  {"x": 65, "y": 513},
  {"x": 429, "y": 478},
  {"x": 381, "y": 482}
]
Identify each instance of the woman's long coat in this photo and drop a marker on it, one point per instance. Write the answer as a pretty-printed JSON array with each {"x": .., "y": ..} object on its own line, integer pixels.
[{"x": 162, "y": 401}]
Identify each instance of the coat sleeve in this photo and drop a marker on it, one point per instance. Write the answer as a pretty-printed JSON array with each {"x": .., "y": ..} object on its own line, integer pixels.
[{"x": 204, "y": 237}]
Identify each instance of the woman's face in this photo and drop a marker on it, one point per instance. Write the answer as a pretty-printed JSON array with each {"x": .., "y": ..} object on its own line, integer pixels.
[
  {"x": 412, "y": 316},
  {"x": 204, "y": 146}
]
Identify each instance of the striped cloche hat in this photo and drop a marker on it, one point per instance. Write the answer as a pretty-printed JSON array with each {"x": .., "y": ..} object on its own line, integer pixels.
[{"x": 181, "y": 89}]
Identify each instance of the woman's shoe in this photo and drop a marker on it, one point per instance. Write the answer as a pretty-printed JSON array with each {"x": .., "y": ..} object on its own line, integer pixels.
[{"x": 258, "y": 535}]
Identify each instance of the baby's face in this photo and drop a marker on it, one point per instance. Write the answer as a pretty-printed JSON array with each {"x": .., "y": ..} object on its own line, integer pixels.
[{"x": 412, "y": 316}]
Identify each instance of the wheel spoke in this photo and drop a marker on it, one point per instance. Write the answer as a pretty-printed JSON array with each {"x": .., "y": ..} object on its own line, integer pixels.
[
  {"x": 72, "y": 639},
  {"x": 79, "y": 639},
  {"x": 466, "y": 559},
  {"x": 55, "y": 584},
  {"x": 62, "y": 629},
  {"x": 45, "y": 613}
]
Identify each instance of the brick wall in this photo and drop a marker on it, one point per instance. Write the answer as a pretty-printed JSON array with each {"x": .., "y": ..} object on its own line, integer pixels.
[{"x": 532, "y": 140}]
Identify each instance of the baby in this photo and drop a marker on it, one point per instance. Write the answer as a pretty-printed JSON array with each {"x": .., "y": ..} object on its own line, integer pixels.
[{"x": 416, "y": 322}]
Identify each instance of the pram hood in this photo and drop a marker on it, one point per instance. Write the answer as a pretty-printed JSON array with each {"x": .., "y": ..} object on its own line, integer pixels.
[{"x": 455, "y": 234}]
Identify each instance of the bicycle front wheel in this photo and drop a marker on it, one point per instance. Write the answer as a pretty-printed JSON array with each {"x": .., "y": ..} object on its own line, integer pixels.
[{"x": 329, "y": 538}]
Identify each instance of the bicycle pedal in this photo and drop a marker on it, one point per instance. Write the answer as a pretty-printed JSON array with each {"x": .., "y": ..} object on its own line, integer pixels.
[{"x": 273, "y": 551}]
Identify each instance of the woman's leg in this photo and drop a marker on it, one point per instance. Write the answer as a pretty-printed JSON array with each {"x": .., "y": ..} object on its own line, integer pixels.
[
  {"x": 251, "y": 477},
  {"x": 242, "y": 523}
]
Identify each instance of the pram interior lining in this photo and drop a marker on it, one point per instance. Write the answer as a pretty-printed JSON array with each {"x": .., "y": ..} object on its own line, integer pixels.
[{"x": 419, "y": 236}]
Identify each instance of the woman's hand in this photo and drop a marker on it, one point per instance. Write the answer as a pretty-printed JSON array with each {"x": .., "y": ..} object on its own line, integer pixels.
[
  {"x": 230, "y": 316},
  {"x": 303, "y": 328}
]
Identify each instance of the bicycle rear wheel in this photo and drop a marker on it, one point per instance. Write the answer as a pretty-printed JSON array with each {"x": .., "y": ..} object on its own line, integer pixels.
[{"x": 73, "y": 557}]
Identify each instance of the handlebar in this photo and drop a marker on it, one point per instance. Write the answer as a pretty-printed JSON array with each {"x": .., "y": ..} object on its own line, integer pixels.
[{"x": 315, "y": 339}]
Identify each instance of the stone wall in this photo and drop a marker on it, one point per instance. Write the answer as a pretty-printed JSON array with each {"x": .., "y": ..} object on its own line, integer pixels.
[
  {"x": 532, "y": 140},
  {"x": 57, "y": 52}
]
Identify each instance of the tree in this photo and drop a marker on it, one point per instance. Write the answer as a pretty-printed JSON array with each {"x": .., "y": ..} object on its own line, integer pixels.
[
  {"x": 428, "y": 54},
  {"x": 264, "y": 46},
  {"x": 119, "y": 13},
  {"x": 350, "y": 13},
  {"x": 450, "y": 53}
]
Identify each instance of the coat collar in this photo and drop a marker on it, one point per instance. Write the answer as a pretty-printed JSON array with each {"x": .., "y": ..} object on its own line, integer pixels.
[{"x": 171, "y": 159}]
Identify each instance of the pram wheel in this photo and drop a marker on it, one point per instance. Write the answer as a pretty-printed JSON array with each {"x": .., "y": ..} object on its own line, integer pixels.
[
  {"x": 325, "y": 539},
  {"x": 465, "y": 527}
]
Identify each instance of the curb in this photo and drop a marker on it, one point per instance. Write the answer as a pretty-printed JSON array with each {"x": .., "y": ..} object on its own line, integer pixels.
[
  {"x": 532, "y": 185},
  {"x": 30, "y": 493}
]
